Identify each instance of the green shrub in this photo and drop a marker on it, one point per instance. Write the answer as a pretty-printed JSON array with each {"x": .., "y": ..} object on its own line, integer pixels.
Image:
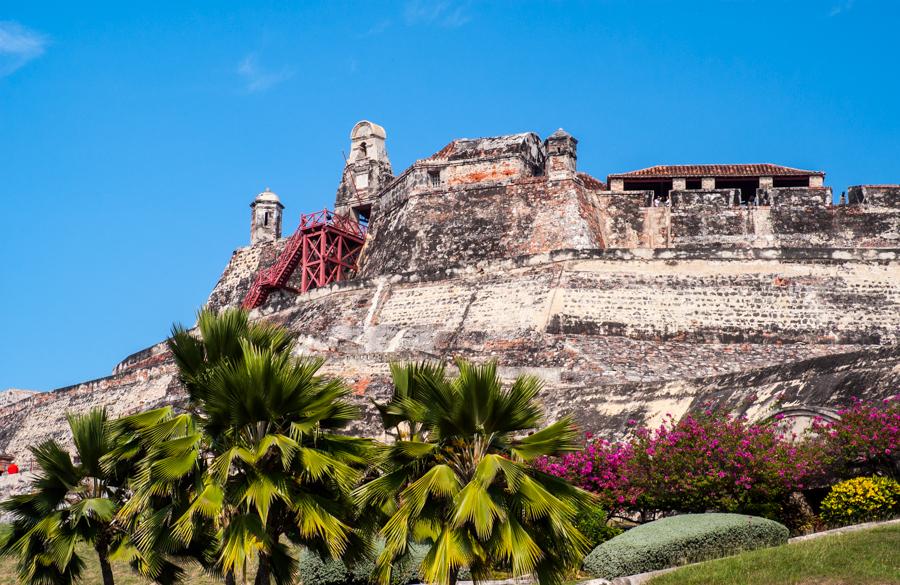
[
  {"x": 679, "y": 540},
  {"x": 316, "y": 571},
  {"x": 861, "y": 499},
  {"x": 592, "y": 523}
]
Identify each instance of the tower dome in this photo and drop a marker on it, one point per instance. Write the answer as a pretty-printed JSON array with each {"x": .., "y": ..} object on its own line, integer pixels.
[{"x": 267, "y": 196}]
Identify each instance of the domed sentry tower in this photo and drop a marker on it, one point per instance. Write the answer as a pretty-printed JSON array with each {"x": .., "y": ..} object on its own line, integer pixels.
[{"x": 265, "y": 218}]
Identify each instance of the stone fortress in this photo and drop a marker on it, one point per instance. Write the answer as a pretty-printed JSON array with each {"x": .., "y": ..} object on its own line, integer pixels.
[{"x": 655, "y": 291}]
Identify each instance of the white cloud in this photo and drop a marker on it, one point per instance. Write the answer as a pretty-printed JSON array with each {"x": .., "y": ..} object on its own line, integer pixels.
[
  {"x": 258, "y": 79},
  {"x": 445, "y": 13},
  {"x": 840, "y": 7},
  {"x": 18, "y": 46}
]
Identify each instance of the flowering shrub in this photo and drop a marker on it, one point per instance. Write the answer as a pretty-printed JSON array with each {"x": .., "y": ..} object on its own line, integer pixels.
[
  {"x": 865, "y": 439},
  {"x": 706, "y": 462},
  {"x": 716, "y": 462},
  {"x": 600, "y": 468},
  {"x": 861, "y": 499}
]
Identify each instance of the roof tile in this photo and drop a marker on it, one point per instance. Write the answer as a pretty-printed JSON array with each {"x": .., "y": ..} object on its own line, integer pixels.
[{"x": 749, "y": 170}]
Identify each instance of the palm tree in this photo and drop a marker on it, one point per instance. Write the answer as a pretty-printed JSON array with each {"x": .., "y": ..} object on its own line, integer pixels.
[
  {"x": 71, "y": 503},
  {"x": 458, "y": 478},
  {"x": 257, "y": 456},
  {"x": 162, "y": 449}
]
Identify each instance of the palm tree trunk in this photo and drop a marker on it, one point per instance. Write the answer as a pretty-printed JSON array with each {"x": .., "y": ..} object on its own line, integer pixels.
[
  {"x": 229, "y": 578},
  {"x": 105, "y": 567},
  {"x": 262, "y": 571}
]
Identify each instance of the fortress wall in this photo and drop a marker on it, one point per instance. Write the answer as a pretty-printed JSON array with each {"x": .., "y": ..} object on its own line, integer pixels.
[
  {"x": 875, "y": 196},
  {"x": 417, "y": 228},
  {"x": 809, "y": 386},
  {"x": 761, "y": 301},
  {"x": 798, "y": 218},
  {"x": 762, "y": 296},
  {"x": 43, "y": 416},
  {"x": 240, "y": 272},
  {"x": 433, "y": 229},
  {"x": 485, "y": 171},
  {"x": 614, "y": 334}
]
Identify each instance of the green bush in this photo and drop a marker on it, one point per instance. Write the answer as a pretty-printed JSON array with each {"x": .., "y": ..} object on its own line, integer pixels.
[
  {"x": 593, "y": 525},
  {"x": 316, "y": 571},
  {"x": 679, "y": 540},
  {"x": 861, "y": 499}
]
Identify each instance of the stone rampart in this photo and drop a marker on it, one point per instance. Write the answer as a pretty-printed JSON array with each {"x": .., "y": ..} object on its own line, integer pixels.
[
  {"x": 43, "y": 416},
  {"x": 614, "y": 334}
]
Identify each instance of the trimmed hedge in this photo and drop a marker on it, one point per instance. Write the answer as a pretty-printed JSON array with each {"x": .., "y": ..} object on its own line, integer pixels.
[
  {"x": 315, "y": 571},
  {"x": 679, "y": 540}
]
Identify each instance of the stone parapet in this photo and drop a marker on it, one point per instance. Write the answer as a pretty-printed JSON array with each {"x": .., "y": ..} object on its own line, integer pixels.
[{"x": 887, "y": 196}]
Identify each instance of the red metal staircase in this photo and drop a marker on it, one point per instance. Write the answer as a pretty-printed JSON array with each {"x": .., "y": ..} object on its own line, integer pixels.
[{"x": 325, "y": 247}]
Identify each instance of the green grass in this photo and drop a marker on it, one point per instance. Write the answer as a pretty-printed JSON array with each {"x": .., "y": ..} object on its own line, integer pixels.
[
  {"x": 121, "y": 571},
  {"x": 867, "y": 557}
]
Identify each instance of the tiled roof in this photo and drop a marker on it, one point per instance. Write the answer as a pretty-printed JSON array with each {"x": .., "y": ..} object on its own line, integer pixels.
[{"x": 678, "y": 171}]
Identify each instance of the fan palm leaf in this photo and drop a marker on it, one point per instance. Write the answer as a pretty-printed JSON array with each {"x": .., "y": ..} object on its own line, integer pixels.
[
  {"x": 257, "y": 459},
  {"x": 460, "y": 481},
  {"x": 70, "y": 502}
]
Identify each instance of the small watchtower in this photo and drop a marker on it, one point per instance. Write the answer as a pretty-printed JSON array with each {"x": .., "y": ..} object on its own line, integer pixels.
[
  {"x": 367, "y": 170},
  {"x": 265, "y": 218},
  {"x": 561, "y": 155}
]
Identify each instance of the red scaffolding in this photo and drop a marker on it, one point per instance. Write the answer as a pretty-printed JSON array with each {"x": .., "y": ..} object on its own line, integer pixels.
[{"x": 325, "y": 247}]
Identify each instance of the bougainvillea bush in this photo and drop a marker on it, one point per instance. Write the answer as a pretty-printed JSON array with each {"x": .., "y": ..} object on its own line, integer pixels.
[
  {"x": 711, "y": 461},
  {"x": 716, "y": 462},
  {"x": 865, "y": 440}
]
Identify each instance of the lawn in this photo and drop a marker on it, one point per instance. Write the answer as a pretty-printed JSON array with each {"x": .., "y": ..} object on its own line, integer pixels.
[
  {"x": 121, "y": 571},
  {"x": 867, "y": 557}
]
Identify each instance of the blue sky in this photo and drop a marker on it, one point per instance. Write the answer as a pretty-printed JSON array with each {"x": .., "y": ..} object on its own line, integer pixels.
[{"x": 133, "y": 135}]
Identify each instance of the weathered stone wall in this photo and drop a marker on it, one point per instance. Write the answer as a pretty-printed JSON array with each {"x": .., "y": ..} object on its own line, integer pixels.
[
  {"x": 43, "y": 416},
  {"x": 240, "y": 272},
  {"x": 11, "y": 395},
  {"x": 875, "y": 196},
  {"x": 614, "y": 334},
  {"x": 437, "y": 228},
  {"x": 797, "y": 388}
]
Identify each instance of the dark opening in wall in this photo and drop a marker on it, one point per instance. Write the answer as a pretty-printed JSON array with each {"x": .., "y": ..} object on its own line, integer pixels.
[
  {"x": 747, "y": 188},
  {"x": 362, "y": 213},
  {"x": 693, "y": 184},
  {"x": 266, "y": 219},
  {"x": 660, "y": 188},
  {"x": 434, "y": 178},
  {"x": 790, "y": 182}
]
